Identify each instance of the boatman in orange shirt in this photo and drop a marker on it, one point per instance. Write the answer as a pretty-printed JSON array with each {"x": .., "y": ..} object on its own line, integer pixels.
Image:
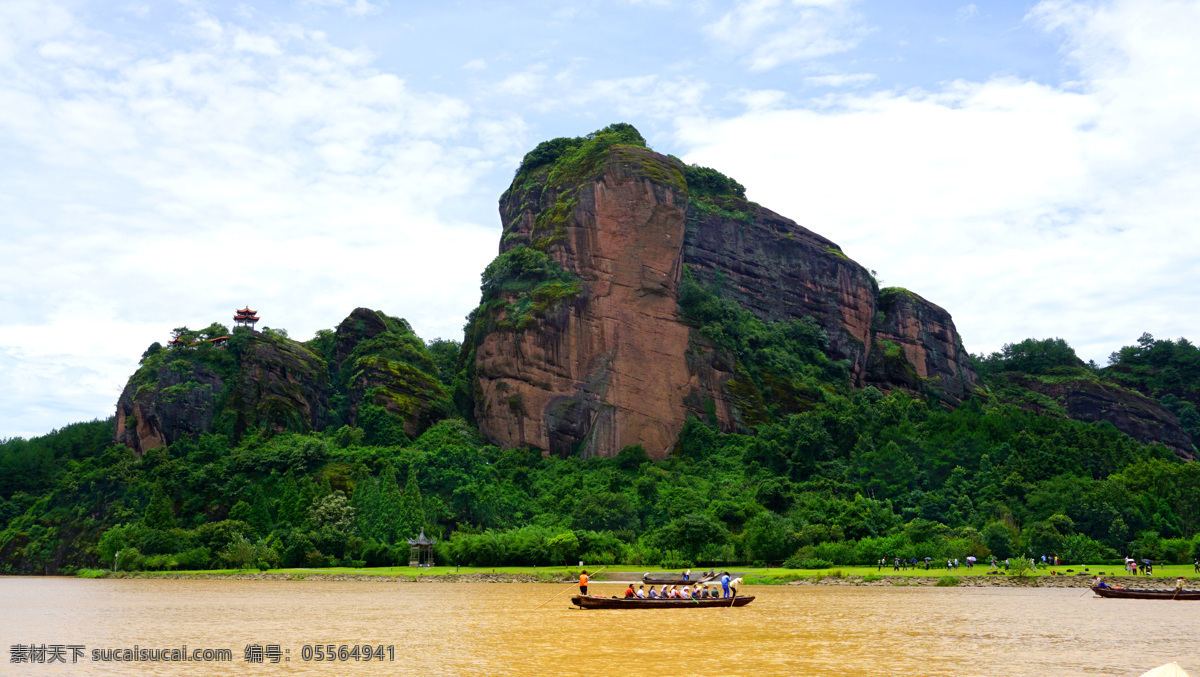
[{"x": 583, "y": 579}]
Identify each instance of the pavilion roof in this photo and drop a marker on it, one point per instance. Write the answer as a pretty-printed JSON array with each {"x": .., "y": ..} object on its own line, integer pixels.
[{"x": 422, "y": 539}]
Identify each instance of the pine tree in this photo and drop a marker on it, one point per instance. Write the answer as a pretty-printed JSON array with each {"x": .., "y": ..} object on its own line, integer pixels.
[
  {"x": 159, "y": 514},
  {"x": 260, "y": 513},
  {"x": 412, "y": 509},
  {"x": 365, "y": 502},
  {"x": 390, "y": 500},
  {"x": 289, "y": 497}
]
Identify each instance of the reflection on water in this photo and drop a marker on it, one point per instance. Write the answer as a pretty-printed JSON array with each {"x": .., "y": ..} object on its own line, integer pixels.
[{"x": 493, "y": 629}]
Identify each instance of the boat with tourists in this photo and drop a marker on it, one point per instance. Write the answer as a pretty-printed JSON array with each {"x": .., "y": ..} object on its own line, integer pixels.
[
  {"x": 1121, "y": 593},
  {"x": 598, "y": 602}
]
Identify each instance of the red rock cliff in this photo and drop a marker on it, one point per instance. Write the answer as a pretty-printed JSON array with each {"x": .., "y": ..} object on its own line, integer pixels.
[{"x": 616, "y": 365}]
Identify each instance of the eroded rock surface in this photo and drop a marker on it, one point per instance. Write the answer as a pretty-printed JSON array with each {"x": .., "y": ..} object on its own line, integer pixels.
[{"x": 617, "y": 365}]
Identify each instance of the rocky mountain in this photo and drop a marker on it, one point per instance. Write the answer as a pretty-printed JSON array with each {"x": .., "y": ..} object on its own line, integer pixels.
[
  {"x": 580, "y": 344},
  {"x": 1094, "y": 399},
  {"x": 265, "y": 380},
  {"x": 632, "y": 291}
]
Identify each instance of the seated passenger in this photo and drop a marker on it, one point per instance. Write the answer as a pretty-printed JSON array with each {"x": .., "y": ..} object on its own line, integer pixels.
[
  {"x": 641, "y": 593},
  {"x": 629, "y": 591},
  {"x": 686, "y": 593},
  {"x": 664, "y": 592},
  {"x": 653, "y": 594}
]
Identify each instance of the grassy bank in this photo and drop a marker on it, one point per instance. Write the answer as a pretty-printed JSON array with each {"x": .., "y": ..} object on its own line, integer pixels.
[{"x": 751, "y": 575}]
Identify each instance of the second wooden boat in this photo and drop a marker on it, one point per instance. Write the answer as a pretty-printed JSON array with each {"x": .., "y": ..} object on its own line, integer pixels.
[
  {"x": 672, "y": 578},
  {"x": 1182, "y": 595}
]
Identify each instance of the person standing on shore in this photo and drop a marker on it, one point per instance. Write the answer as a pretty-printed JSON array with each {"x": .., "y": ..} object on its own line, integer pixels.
[{"x": 583, "y": 581}]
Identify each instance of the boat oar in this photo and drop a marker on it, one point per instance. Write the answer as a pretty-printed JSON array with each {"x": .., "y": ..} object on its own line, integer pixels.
[{"x": 559, "y": 593}]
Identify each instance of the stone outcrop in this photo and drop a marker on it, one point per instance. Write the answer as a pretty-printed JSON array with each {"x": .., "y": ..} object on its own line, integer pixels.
[
  {"x": 918, "y": 349},
  {"x": 187, "y": 391},
  {"x": 280, "y": 383},
  {"x": 265, "y": 380},
  {"x": 780, "y": 270},
  {"x": 608, "y": 369},
  {"x": 1134, "y": 414},
  {"x": 379, "y": 359},
  {"x": 617, "y": 364},
  {"x": 162, "y": 404}
]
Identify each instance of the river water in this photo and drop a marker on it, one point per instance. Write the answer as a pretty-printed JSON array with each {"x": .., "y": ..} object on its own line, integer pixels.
[{"x": 494, "y": 629}]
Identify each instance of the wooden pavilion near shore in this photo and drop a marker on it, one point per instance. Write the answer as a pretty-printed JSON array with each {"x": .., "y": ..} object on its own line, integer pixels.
[{"x": 420, "y": 553}]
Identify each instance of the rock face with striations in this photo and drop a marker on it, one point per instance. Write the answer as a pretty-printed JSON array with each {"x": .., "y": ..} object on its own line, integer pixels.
[{"x": 610, "y": 362}]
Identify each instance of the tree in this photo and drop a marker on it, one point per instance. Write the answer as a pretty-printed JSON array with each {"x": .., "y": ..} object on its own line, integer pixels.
[
  {"x": 242, "y": 552},
  {"x": 159, "y": 513},
  {"x": 998, "y": 538},
  {"x": 412, "y": 512},
  {"x": 365, "y": 501},
  {"x": 690, "y": 535},
  {"x": 390, "y": 513},
  {"x": 260, "y": 513},
  {"x": 766, "y": 538}
]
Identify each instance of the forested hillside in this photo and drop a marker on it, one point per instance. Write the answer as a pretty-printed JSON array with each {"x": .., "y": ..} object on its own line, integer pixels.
[{"x": 849, "y": 478}]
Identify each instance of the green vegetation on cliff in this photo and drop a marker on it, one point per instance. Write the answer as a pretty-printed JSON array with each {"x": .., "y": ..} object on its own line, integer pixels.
[{"x": 858, "y": 477}]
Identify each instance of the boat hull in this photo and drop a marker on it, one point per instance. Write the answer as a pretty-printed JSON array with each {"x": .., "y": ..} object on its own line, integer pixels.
[
  {"x": 1182, "y": 595},
  {"x": 594, "y": 602}
]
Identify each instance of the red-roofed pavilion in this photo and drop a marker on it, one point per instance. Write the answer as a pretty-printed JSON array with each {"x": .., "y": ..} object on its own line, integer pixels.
[{"x": 245, "y": 318}]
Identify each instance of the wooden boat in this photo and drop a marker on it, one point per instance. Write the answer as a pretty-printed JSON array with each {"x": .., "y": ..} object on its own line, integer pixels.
[
  {"x": 597, "y": 602},
  {"x": 1148, "y": 594},
  {"x": 672, "y": 578}
]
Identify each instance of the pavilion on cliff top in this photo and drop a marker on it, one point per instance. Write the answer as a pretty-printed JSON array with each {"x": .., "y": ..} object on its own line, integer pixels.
[{"x": 245, "y": 318}]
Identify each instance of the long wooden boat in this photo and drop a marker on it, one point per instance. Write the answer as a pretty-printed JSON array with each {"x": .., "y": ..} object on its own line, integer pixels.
[
  {"x": 597, "y": 602},
  {"x": 672, "y": 578},
  {"x": 1148, "y": 594}
]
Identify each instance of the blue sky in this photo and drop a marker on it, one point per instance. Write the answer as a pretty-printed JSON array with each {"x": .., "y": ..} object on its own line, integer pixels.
[{"x": 1030, "y": 167}]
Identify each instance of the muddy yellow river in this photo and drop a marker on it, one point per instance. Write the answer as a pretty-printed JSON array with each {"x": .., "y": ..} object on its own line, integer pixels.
[{"x": 493, "y": 629}]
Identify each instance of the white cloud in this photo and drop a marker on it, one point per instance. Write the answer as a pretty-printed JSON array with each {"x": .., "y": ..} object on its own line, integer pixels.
[
  {"x": 648, "y": 96},
  {"x": 474, "y": 65},
  {"x": 351, "y": 7},
  {"x": 167, "y": 186},
  {"x": 774, "y": 32},
  {"x": 840, "y": 80},
  {"x": 1024, "y": 209}
]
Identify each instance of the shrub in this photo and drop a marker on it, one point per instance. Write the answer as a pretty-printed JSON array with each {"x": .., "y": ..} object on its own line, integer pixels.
[
  {"x": 808, "y": 563},
  {"x": 947, "y": 582},
  {"x": 677, "y": 564}
]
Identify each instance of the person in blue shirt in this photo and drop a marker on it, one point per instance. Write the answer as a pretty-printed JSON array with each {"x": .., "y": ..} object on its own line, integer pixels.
[{"x": 725, "y": 584}]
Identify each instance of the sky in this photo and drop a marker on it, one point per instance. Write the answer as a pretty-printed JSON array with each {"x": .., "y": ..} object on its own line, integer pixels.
[{"x": 1034, "y": 168}]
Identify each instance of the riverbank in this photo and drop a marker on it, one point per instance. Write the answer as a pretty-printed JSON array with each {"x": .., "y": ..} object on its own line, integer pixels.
[{"x": 1059, "y": 577}]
